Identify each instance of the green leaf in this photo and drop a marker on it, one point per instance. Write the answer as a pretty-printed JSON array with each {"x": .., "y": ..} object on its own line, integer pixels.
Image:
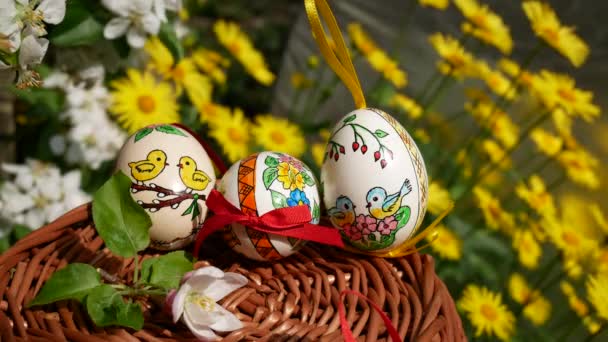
[
  {"x": 49, "y": 101},
  {"x": 74, "y": 281},
  {"x": 19, "y": 232},
  {"x": 269, "y": 175},
  {"x": 402, "y": 216},
  {"x": 122, "y": 224},
  {"x": 308, "y": 180},
  {"x": 166, "y": 271},
  {"x": 380, "y": 133},
  {"x": 168, "y": 37},
  {"x": 106, "y": 307},
  {"x": 130, "y": 315},
  {"x": 142, "y": 133},
  {"x": 170, "y": 130},
  {"x": 86, "y": 32},
  {"x": 271, "y": 161},
  {"x": 350, "y": 118},
  {"x": 193, "y": 209},
  {"x": 278, "y": 199}
]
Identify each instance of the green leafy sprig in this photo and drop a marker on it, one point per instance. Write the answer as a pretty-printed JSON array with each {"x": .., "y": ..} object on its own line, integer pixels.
[{"x": 124, "y": 227}]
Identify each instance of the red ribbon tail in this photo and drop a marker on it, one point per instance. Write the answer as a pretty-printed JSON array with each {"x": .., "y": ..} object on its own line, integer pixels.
[{"x": 348, "y": 334}]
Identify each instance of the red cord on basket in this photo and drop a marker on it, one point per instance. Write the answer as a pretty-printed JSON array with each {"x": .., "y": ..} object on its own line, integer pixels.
[
  {"x": 348, "y": 334},
  {"x": 215, "y": 158}
]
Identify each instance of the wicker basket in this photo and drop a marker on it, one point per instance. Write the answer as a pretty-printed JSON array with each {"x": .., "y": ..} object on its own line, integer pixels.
[{"x": 290, "y": 300}]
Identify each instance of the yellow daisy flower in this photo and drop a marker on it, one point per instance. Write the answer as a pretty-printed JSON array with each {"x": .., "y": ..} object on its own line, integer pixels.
[
  {"x": 465, "y": 162},
  {"x": 231, "y": 131},
  {"x": 511, "y": 68},
  {"x": 504, "y": 130},
  {"x": 290, "y": 177},
  {"x": 580, "y": 167},
  {"x": 563, "y": 125},
  {"x": 447, "y": 244},
  {"x": 377, "y": 58},
  {"x": 140, "y": 100},
  {"x": 496, "y": 153},
  {"x": 456, "y": 61},
  {"x": 183, "y": 73},
  {"x": 495, "y": 80},
  {"x": 212, "y": 64},
  {"x": 536, "y": 196},
  {"x": 597, "y": 293},
  {"x": 275, "y": 134},
  {"x": 407, "y": 104},
  {"x": 485, "y": 25},
  {"x": 236, "y": 41},
  {"x": 547, "y": 26},
  {"x": 421, "y": 135},
  {"x": 494, "y": 215},
  {"x": 559, "y": 91},
  {"x": 527, "y": 247},
  {"x": 546, "y": 142},
  {"x": 210, "y": 112},
  {"x": 439, "y": 198},
  {"x": 486, "y": 312},
  {"x": 438, "y": 4},
  {"x": 576, "y": 304},
  {"x": 538, "y": 310},
  {"x": 536, "y": 307},
  {"x": 569, "y": 239}
]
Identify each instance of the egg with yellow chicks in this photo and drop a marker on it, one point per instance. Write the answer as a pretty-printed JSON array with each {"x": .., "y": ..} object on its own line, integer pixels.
[{"x": 171, "y": 176}]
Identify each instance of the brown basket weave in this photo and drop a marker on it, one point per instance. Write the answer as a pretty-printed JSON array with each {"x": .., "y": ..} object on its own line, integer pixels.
[{"x": 295, "y": 299}]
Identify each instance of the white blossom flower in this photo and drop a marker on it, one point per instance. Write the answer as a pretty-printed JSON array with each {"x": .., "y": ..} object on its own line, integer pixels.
[
  {"x": 33, "y": 14},
  {"x": 10, "y": 31},
  {"x": 136, "y": 19},
  {"x": 38, "y": 193},
  {"x": 196, "y": 302}
]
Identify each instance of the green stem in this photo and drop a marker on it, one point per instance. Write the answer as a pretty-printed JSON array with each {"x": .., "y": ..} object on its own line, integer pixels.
[
  {"x": 130, "y": 292},
  {"x": 136, "y": 269}
]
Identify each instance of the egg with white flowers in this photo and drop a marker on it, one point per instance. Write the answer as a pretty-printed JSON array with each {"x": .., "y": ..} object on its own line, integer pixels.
[
  {"x": 261, "y": 183},
  {"x": 375, "y": 184},
  {"x": 171, "y": 176}
]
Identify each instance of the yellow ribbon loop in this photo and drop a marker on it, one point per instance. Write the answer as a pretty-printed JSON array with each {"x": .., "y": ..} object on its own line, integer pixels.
[
  {"x": 409, "y": 246},
  {"x": 338, "y": 59}
]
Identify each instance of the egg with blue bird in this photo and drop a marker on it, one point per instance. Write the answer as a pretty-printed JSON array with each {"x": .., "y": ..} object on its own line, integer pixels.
[
  {"x": 171, "y": 176},
  {"x": 374, "y": 179}
]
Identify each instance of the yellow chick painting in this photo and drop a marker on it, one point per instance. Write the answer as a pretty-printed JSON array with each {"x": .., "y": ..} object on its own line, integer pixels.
[
  {"x": 192, "y": 178},
  {"x": 381, "y": 205},
  {"x": 149, "y": 168}
]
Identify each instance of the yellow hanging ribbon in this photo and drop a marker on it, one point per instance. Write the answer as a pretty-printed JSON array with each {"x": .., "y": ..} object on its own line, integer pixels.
[
  {"x": 338, "y": 59},
  {"x": 409, "y": 247}
]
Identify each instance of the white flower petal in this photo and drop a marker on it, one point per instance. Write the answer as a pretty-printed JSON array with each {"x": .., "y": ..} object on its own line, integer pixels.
[
  {"x": 222, "y": 287},
  {"x": 34, "y": 219},
  {"x": 159, "y": 10},
  {"x": 225, "y": 320},
  {"x": 141, "y": 6},
  {"x": 71, "y": 181},
  {"x": 53, "y": 211},
  {"x": 177, "y": 309},
  {"x": 200, "y": 331},
  {"x": 116, "y": 28},
  {"x": 197, "y": 315},
  {"x": 120, "y": 7},
  {"x": 56, "y": 79},
  {"x": 53, "y": 11},
  {"x": 173, "y": 5},
  {"x": 32, "y": 50},
  {"x": 150, "y": 23},
  {"x": 211, "y": 271},
  {"x": 136, "y": 38},
  {"x": 57, "y": 144}
]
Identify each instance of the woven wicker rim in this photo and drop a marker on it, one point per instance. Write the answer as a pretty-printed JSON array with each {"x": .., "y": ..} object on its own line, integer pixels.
[{"x": 290, "y": 300}]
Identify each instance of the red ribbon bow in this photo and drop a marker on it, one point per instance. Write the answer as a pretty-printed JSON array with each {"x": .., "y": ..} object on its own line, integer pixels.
[{"x": 291, "y": 222}]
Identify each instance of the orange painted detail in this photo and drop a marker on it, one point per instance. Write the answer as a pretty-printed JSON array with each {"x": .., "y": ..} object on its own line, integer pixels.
[{"x": 246, "y": 188}]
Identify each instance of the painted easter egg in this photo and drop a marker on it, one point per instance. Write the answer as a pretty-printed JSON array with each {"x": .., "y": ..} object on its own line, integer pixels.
[
  {"x": 172, "y": 175},
  {"x": 258, "y": 184},
  {"x": 374, "y": 181}
]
